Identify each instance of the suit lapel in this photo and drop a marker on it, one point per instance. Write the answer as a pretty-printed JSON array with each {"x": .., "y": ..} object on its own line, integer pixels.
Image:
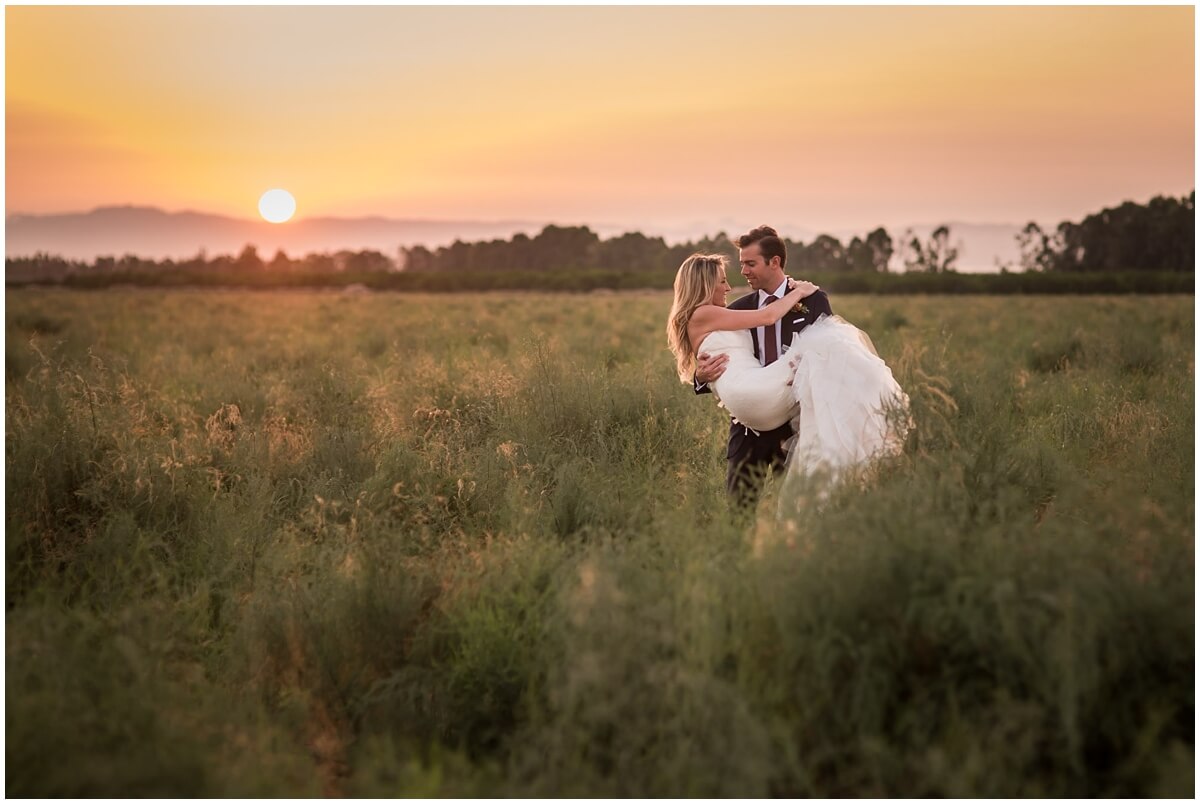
[
  {"x": 785, "y": 331},
  {"x": 754, "y": 332},
  {"x": 749, "y": 302}
]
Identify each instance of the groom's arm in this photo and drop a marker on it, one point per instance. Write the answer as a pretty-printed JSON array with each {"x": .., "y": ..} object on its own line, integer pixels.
[
  {"x": 710, "y": 368},
  {"x": 818, "y": 302}
]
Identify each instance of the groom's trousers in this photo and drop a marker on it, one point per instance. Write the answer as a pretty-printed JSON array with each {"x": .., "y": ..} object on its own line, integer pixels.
[{"x": 751, "y": 456}]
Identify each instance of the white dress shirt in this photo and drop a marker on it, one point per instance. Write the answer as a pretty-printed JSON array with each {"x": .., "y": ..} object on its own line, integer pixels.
[{"x": 776, "y": 331}]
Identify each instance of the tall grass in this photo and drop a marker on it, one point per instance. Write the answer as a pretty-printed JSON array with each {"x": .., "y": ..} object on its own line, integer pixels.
[{"x": 451, "y": 546}]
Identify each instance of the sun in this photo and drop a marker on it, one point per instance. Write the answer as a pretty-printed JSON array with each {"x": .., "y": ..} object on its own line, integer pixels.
[{"x": 277, "y": 206}]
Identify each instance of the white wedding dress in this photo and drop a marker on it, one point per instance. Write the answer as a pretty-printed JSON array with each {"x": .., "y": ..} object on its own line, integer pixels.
[{"x": 845, "y": 406}]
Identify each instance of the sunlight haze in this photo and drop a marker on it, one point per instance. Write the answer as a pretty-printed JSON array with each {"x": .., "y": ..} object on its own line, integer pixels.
[{"x": 827, "y": 118}]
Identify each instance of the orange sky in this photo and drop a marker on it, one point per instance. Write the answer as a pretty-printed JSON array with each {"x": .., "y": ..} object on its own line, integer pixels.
[{"x": 822, "y": 117}]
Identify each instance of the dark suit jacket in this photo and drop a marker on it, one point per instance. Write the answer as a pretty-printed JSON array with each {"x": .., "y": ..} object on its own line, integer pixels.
[{"x": 742, "y": 442}]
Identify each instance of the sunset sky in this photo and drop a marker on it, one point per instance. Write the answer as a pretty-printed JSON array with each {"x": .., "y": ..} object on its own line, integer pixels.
[{"x": 825, "y": 117}]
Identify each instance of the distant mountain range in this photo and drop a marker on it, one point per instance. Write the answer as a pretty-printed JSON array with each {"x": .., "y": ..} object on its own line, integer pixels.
[{"x": 155, "y": 234}]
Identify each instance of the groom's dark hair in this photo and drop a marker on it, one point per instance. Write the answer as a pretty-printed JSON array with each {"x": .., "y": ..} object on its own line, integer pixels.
[{"x": 768, "y": 242}]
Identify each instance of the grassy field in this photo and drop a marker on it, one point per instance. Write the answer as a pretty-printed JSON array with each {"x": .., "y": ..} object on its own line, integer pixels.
[{"x": 303, "y": 543}]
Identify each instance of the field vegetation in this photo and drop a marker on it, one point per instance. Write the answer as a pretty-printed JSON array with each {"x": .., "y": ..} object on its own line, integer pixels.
[{"x": 301, "y": 543}]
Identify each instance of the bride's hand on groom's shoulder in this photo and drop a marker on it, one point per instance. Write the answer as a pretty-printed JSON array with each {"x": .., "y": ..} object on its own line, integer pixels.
[{"x": 806, "y": 288}]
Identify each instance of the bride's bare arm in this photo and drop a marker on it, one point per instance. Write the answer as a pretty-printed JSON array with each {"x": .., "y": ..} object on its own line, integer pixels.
[{"x": 711, "y": 318}]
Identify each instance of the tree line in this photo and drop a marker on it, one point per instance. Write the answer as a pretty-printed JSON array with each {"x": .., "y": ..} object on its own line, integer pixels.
[
  {"x": 248, "y": 263},
  {"x": 1154, "y": 237},
  {"x": 579, "y": 248}
]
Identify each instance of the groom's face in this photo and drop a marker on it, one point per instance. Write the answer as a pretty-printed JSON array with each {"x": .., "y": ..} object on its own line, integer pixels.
[{"x": 760, "y": 275}]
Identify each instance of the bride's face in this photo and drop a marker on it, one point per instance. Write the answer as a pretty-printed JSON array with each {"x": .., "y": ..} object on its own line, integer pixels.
[{"x": 722, "y": 288}]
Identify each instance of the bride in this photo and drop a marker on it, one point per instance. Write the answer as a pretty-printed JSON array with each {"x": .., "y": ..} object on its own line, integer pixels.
[{"x": 833, "y": 387}]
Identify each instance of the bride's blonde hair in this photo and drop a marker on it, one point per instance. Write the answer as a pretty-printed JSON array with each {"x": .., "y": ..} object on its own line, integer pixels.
[{"x": 695, "y": 282}]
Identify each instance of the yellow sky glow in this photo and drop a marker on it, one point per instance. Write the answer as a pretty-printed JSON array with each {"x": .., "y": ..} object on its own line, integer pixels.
[{"x": 827, "y": 117}]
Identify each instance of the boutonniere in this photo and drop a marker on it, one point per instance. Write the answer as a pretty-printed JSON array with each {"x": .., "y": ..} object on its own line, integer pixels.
[{"x": 799, "y": 307}]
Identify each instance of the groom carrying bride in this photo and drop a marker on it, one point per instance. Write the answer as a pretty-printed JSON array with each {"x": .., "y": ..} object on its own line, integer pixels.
[{"x": 751, "y": 454}]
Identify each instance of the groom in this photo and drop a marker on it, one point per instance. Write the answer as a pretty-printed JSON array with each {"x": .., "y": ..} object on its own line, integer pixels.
[{"x": 762, "y": 256}]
